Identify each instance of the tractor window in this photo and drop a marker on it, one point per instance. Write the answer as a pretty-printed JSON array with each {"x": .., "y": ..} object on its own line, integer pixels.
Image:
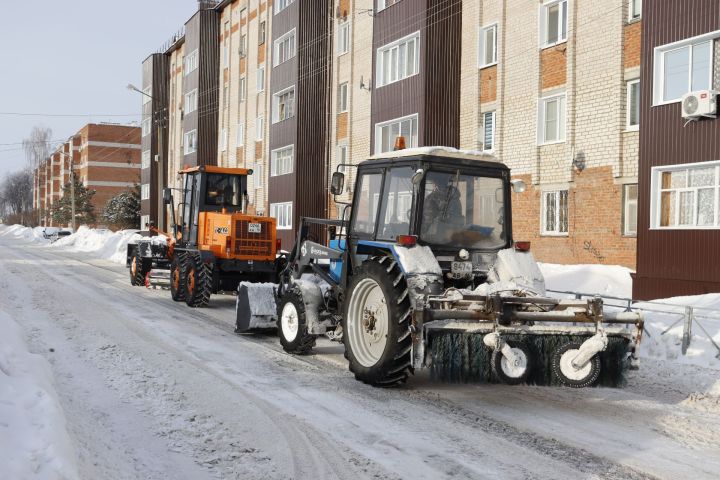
[
  {"x": 397, "y": 204},
  {"x": 463, "y": 211},
  {"x": 223, "y": 190},
  {"x": 366, "y": 205}
]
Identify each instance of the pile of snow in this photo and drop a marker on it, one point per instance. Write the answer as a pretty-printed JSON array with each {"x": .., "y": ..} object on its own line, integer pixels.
[
  {"x": 663, "y": 318},
  {"x": 34, "y": 442},
  {"x": 26, "y": 233},
  {"x": 101, "y": 243}
]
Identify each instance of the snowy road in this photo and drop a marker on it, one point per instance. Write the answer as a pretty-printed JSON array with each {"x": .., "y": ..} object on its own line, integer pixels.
[{"x": 152, "y": 389}]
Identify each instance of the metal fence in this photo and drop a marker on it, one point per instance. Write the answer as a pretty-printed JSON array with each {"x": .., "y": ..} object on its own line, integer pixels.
[{"x": 689, "y": 315}]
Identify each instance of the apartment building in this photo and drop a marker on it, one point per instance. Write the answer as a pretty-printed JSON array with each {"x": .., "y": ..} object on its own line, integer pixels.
[
  {"x": 304, "y": 86},
  {"x": 679, "y": 188},
  {"x": 561, "y": 108},
  {"x": 104, "y": 157}
]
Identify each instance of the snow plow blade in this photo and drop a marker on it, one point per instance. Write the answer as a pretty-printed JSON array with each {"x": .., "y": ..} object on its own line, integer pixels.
[
  {"x": 256, "y": 308},
  {"x": 467, "y": 336}
]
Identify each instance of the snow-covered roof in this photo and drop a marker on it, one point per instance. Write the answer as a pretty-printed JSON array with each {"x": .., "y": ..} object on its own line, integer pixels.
[{"x": 439, "y": 152}]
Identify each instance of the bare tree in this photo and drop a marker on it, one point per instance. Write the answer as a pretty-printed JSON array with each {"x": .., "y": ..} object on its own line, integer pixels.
[
  {"x": 16, "y": 195},
  {"x": 37, "y": 146}
]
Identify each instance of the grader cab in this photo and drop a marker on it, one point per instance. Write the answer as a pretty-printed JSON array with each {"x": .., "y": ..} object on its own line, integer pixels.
[{"x": 215, "y": 244}]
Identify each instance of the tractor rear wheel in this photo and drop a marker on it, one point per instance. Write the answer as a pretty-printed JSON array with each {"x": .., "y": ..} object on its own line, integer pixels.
[
  {"x": 177, "y": 282},
  {"x": 376, "y": 324},
  {"x": 292, "y": 324},
  {"x": 198, "y": 281},
  {"x": 138, "y": 269}
]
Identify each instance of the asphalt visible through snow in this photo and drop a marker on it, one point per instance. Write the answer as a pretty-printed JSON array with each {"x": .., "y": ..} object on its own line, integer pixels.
[{"x": 154, "y": 389}]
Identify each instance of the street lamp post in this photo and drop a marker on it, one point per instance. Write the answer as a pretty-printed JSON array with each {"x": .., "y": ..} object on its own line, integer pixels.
[{"x": 160, "y": 122}]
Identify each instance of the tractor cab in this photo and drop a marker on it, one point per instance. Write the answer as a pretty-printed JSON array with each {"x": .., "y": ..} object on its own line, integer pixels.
[{"x": 456, "y": 203}]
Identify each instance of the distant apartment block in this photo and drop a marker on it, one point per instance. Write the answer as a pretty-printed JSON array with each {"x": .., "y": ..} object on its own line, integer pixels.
[
  {"x": 304, "y": 86},
  {"x": 104, "y": 157}
]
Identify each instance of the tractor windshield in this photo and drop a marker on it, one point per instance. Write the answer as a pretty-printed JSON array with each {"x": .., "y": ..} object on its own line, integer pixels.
[
  {"x": 224, "y": 190},
  {"x": 463, "y": 211}
]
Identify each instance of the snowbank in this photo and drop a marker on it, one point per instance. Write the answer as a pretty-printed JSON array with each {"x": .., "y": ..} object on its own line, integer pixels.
[
  {"x": 34, "y": 235},
  {"x": 101, "y": 243},
  {"x": 34, "y": 443},
  {"x": 615, "y": 281}
]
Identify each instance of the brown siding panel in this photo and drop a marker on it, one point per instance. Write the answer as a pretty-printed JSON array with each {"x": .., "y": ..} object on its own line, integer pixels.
[{"x": 673, "y": 262}]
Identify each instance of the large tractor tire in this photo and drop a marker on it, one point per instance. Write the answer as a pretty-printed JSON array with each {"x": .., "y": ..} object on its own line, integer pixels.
[
  {"x": 177, "y": 281},
  {"x": 376, "y": 324},
  {"x": 198, "y": 281},
  {"x": 139, "y": 268},
  {"x": 292, "y": 324}
]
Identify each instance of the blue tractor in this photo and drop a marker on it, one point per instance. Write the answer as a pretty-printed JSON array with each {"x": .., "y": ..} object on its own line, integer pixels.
[{"x": 421, "y": 270}]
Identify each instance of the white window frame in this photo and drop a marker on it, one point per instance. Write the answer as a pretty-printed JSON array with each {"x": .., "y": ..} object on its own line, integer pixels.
[
  {"x": 276, "y": 105},
  {"x": 626, "y": 231},
  {"x": 259, "y": 128},
  {"x": 282, "y": 165},
  {"x": 391, "y": 46},
  {"x": 147, "y": 95},
  {"x": 343, "y": 37},
  {"x": 240, "y": 134},
  {"x": 190, "y": 62},
  {"x": 145, "y": 159},
  {"x": 492, "y": 143},
  {"x": 383, "y": 4},
  {"x": 544, "y": 205},
  {"x": 562, "y": 122},
  {"x": 146, "y": 126},
  {"x": 242, "y": 88},
  {"x": 223, "y": 139},
  {"x": 292, "y": 47},
  {"x": 188, "y": 146},
  {"x": 145, "y": 191},
  {"x": 258, "y": 175},
  {"x": 628, "y": 106},
  {"x": 482, "y": 61},
  {"x": 544, "y": 19},
  {"x": 283, "y": 218},
  {"x": 191, "y": 101},
  {"x": 281, "y": 5},
  {"x": 343, "y": 99},
  {"x": 380, "y": 125},
  {"x": 632, "y": 14},
  {"x": 342, "y": 156},
  {"x": 261, "y": 78},
  {"x": 656, "y": 195},
  {"x": 659, "y": 64}
]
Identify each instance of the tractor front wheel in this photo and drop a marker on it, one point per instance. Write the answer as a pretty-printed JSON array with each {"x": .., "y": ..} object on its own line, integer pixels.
[
  {"x": 568, "y": 374},
  {"x": 292, "y": 324},
  {"x": 177, "y": 282},
  {"x": 198, "y": 281},
  {"x": 376, "y": 324},
  {"x": 512, "y": 373}
]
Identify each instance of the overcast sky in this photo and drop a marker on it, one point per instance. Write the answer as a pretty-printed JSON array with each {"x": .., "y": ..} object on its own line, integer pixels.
[{"x": 64, "y": 57}]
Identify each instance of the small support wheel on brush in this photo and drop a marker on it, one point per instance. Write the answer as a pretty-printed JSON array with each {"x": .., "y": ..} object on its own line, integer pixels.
[
  {"x": 292, "y": 324},
  {"x": 138, "y": 269},
  {"x": 177, "y": 281},
  {"x": 198, "y": 281},
  {"x": 568, "y": 374},
  {"x": 376, "y": 324},
  {"x": 512, "y": 372}
]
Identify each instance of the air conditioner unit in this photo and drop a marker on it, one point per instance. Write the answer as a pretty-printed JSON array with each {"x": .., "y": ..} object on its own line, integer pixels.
[{"x": 702, "y": 103}]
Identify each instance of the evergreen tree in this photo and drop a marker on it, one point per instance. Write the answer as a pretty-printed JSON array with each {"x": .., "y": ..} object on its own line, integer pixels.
[
  {"x": 61, "y": 211},
  {"x": 123, "y": 210}
]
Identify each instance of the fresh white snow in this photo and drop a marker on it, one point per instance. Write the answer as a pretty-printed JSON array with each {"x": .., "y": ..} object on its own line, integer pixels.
[{"x": 34, "y": 442}]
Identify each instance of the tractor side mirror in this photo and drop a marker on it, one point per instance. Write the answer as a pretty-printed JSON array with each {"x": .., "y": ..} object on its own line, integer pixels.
[
  {"x": 337, "y": 183},
  {"x": 167, "y": 196},
  {"x": 417, "y": 176},
  {"x": 518, "y": 186}
]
